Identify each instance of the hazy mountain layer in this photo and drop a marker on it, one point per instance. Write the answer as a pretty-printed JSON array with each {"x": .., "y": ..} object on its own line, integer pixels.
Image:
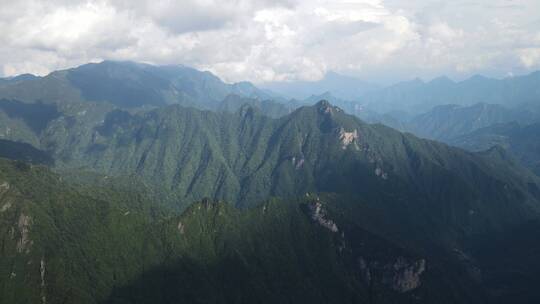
[
  {"x": 417, "y": 96},
  {"x": 522, "y": 141},
  {"x": 128, "y": 84},
  {"x": 444, "y": 123},
  {"x": 341, "y": 86}
]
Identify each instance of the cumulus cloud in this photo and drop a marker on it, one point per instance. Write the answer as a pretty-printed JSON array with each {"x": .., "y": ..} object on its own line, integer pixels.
[{"x": 264, "y": 40}]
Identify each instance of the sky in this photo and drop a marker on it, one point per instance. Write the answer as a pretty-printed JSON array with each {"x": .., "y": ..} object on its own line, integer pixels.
[{"x": 277, "y": 40}]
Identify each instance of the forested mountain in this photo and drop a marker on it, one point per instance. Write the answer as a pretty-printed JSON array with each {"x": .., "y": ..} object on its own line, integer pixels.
[
  {"x": 128, "y": 84},
  {"x": 447, "y": 122},
  {"x": 73, "y": 244},
  {"x": 396, "y": 120},
  {"x": 523, "y": 141},
  {"x": 112, "y": 242},
  {"x": 117, "y": 194},
  {"x": 269, "y": 152},
  {"x": 241, "y": 157},
  {"x": 24, "y": 152},
  {"x": 480, "y": 127}
]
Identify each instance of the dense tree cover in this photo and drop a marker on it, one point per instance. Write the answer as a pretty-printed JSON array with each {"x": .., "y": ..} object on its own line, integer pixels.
[
  {"x": 75, "y": 244},
  {"x": 116, "y": 223},
  {"x": 521, "y": 140},
  {"x": 312, "y": 206}
]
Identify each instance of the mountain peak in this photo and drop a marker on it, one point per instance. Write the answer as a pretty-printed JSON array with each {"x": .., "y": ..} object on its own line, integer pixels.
[
  {"x": 324, "y": 106},
  {"x": 247, "y": 111},
  {"x": 442, "y": 80},
  {"x": 478, "y": 77},
  {"x": 24, "y": 77},
  {"x": 323, "y": 103}
]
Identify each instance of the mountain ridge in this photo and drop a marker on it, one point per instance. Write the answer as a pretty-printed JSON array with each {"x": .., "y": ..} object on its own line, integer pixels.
[
  {"x": 173, "y": 203},
  {"x": 418, "y": 96},
  {"x": 210, "y": 252},
  {"x": 246, "y": 157},
  {"x": 129, "y": 84}
]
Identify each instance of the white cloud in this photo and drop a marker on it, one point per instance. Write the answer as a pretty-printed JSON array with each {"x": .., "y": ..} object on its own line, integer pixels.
[
  {"x": 264, "y": 40},
  {"x": 530, "y": 57}
]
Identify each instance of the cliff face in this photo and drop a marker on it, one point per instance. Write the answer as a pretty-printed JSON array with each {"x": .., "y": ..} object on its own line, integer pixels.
[
  {"x": 318, "y": 215},
  {"x": 402, "y": 275}
]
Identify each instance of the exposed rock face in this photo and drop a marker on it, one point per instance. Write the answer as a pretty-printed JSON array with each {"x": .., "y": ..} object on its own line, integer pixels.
[
  {"x": 469, "y": 262},
  {"x": 325, "y": 107},
  {"x": 23, "y": 224},
  {"x": 4, "y": 187},
  {"x": 318, "y": 215},
  {"x": 5, "y": 207},
  {"x": 406, "y": 276},
  {"x": 365, "y": 270},
  {"x": 401, "y": 276},
  {"x": 180, "y": 227},
  {"x": 298, "y": 163},
  {"x": 42, "y": 274},
  {"x": 348, "y": 138},
  {"x": 380, "y": 173}
]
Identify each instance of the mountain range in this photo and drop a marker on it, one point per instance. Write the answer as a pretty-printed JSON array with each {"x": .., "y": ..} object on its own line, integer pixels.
[
  {"x": 116, "y": 189},
  {"x": 476, "y": 128},
  {"x": 418, "y": 96},
  {"x": 128, "y": 84},
  {"x": 446, "y": 122},
  {"x": 341, "y": 86},
  {"x": 521, "y": 140}
]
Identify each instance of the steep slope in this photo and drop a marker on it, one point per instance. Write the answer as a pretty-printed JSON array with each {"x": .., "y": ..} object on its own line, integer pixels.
[
  {"x": 245, "y": 158},
  {"x": 356, "y": 108},
  {"x": 423, "y": 199},
  {"x": 512, "y": 273},
  {"x": 63, "y": 244},
  {"x": 523, "y": 142},
  {"x": 24, "y": 152},
  {"x": 27, "y": 122},
  {"x": 128, "y": 85}
]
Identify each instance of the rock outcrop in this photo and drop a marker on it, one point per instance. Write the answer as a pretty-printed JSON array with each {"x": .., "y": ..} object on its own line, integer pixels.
[
  {"x": 348, "y": 138},
  {"x": 402, "y": 275},
  {"x": 4, "y": 187},
  {"x": 23, "y": 224},
  {"x": 318, "y": 215}
]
